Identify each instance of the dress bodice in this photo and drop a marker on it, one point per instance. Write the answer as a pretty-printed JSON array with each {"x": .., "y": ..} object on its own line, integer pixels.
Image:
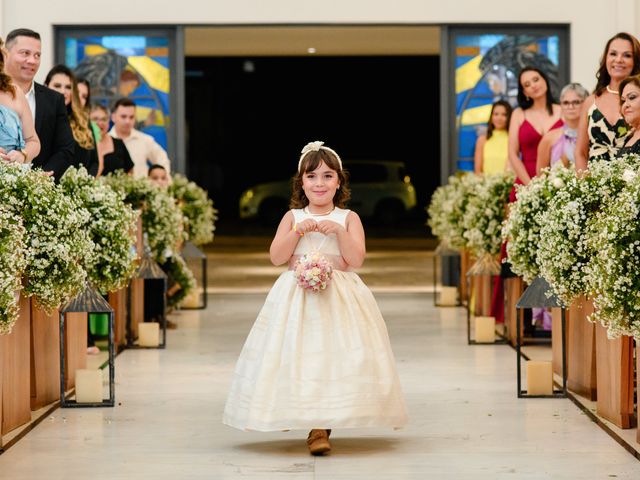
[
  {"x": 316, "y": 241},
  {"x": 565, "y": 146},
  {"x": 529, "y": 139},
  {"x": 11, "y": 137},
  {"x": 604, "y": 139},
  {"x": 495, "y": 152}
]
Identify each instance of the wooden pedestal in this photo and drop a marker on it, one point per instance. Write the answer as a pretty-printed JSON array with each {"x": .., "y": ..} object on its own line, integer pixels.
[
  {"x": 45, "y": 357},
  {"x": 638, "y": 383},
  {"x": 15, "y": 364},
  {"x": 137, "y": 305},
  {"x": 118, "y": 301},
  {"x": 556, "y": 340},
  {"x": 465, "y": 264},
  {"x": 615, "y": 378},
  {"x": 75, "y": 346},
  {"x": 482, "y": 295},
  {"x": 581, "y": 349},
  {"x": 513, "y": 290}
]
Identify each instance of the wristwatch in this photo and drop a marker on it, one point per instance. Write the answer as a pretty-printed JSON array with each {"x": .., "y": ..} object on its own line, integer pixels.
[{"x": 24, "y": 154}]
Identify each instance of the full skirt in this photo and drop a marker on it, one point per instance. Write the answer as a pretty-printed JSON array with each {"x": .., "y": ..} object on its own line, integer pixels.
[{"x": 316, "y": 360}]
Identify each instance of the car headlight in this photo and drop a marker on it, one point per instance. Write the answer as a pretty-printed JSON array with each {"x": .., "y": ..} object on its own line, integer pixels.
[{"x": 248, "y": 195}]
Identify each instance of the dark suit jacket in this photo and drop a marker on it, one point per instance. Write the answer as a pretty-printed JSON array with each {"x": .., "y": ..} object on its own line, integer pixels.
[{"x": 53, "y": 129}]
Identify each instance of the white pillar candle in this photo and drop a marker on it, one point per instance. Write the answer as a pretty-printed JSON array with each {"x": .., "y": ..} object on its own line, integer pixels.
[
  {"x": 448, "y": 296},
  {"x": 192, "y": 300},
  {"x": 149, "y": 334},
  {"x": 539, "y": 378},
  {"x": 88, "y": 386},
  {"x": 485, "y": 329}
]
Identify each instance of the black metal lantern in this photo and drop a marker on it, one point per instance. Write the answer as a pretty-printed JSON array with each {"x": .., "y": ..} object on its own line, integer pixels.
[
  {"x": 486, "y": 266},
  {"x": 442, "y": 251},
  {"x": 196, "y": 260},
  {"x": 149, "y": 270},
  {"x": 88, "y": 301},
  {"x": 538, "y": 295}
]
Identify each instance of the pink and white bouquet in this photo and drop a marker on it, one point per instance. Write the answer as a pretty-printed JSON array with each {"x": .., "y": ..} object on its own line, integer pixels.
[{"x": 313, "y": 271}]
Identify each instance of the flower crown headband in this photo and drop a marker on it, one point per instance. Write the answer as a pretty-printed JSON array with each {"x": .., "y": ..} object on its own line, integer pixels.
[{"x": 316, "y": 147}]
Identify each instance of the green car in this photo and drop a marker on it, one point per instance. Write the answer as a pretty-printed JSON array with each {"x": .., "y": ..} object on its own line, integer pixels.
[{"x": 379, "y": 189}]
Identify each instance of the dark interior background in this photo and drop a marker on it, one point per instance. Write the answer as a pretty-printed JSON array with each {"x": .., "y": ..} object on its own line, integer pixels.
[{"x": 248, "y": 118}]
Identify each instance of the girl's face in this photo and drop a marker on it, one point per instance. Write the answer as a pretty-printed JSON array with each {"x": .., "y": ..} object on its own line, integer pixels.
[
  {"x": 320, "y": 185},
  {"x": 100, "y": 118},
  {"x": 62, "y": 83},
  {"x": 570, "y": 103},
  {"x": 630, "y": 108},
  {"x": 83, "y": 93},
  {"x": 619, "y": 59},
  {"x": 499, "y": 118},
  {"x": 533, "y": 84},
  {"x": 159, "y": 177}
]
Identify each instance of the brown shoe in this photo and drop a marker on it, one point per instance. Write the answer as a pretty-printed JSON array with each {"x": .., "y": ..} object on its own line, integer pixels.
[{"x": 318, "y": 442}]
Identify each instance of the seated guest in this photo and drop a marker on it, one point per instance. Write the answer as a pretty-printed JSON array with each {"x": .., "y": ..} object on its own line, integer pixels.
[{"x": 112, "y": 152}]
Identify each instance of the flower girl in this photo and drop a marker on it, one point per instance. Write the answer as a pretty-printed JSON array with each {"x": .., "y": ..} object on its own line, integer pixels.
[{"x": 318, "y": 356}]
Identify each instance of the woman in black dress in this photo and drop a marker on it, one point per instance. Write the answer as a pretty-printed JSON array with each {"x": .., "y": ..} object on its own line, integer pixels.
[{"x": 112, "y": 151}]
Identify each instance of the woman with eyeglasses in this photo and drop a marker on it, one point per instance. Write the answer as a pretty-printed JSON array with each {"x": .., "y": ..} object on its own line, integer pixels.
[
  {"x": 602, "y": 129},
  {"x": 559, "y": 145}
]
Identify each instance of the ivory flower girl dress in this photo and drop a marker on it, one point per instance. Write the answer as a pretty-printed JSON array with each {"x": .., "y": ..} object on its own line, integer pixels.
[{"x": 317, "y": 359}]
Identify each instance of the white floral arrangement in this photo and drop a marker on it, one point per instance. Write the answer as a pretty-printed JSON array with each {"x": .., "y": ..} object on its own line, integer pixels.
[
  {"x": 162, "y": 220},
  {"x": 111, "y": 227},
  {"x": 57, "y": 245},
  {"x": 12, "y": 264},
  {"x": 521, "y": 230},
  {"x": 485, "y": 213},
  {"x": 564, "y": 250},
  {"x": 197, "y": 208},
  {"x": 614, "y": 271},
  {"x": 449, "y": 206}
]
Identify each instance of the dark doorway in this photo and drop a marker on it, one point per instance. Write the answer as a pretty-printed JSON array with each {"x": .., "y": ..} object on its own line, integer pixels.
[{"x": 248, "y": 118}]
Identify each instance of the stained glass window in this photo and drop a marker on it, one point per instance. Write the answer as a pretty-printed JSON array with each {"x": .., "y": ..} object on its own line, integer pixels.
[
  {"x": 486, "y": 70},
  {"x": 134, "y": 66}
]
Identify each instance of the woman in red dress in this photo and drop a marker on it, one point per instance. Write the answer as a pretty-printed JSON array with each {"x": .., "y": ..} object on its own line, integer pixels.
[{"x": 537, "y": 114}]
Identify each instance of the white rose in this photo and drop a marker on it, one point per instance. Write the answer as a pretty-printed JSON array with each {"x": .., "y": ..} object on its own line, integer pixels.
[{"x": 628, "y": 175}]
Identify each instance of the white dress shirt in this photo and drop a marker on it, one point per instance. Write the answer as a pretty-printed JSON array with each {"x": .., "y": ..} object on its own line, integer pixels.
[
  {"x": 144, "y": 152},
  {"x": 31, "y": 98}
]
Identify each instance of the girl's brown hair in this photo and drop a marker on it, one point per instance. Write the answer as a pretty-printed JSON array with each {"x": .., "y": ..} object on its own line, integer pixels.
[
  {"x": 602, "y": 75},
  {"x": 6, "y": 85},
  {"x": 310, "y": 162}
]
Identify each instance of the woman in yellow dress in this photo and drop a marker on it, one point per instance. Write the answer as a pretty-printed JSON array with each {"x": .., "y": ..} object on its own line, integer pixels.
[{"x": 492, "y": 151}]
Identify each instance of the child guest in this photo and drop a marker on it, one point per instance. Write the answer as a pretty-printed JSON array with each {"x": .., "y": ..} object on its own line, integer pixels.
[{"x": 318, "y": 356}]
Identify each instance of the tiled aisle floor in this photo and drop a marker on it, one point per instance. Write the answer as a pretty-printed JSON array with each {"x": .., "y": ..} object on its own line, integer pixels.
[{"x": 466, "y": 422}]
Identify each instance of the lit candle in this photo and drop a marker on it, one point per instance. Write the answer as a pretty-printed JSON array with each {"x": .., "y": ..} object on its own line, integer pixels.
[
  {"x": 149, "y": 334},
  {"x": 539, "y": 378},
  {"x": 88, "y": 386},
  {"x": 485, "y": 329},
  {"x": 448, "y": 296}
]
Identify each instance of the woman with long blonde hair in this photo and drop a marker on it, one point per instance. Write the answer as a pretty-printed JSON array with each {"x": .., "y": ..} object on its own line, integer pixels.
[{"x": 61, "y": 79}]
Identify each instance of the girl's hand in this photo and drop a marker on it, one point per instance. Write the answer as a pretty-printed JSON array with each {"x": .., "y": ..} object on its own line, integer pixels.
[
  {"x": 308, "y": 225},
  {"x": 328, "y": 226}
]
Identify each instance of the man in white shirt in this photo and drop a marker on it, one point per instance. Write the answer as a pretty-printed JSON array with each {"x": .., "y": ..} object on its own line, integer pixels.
[{"x": 143, "y": 149}]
